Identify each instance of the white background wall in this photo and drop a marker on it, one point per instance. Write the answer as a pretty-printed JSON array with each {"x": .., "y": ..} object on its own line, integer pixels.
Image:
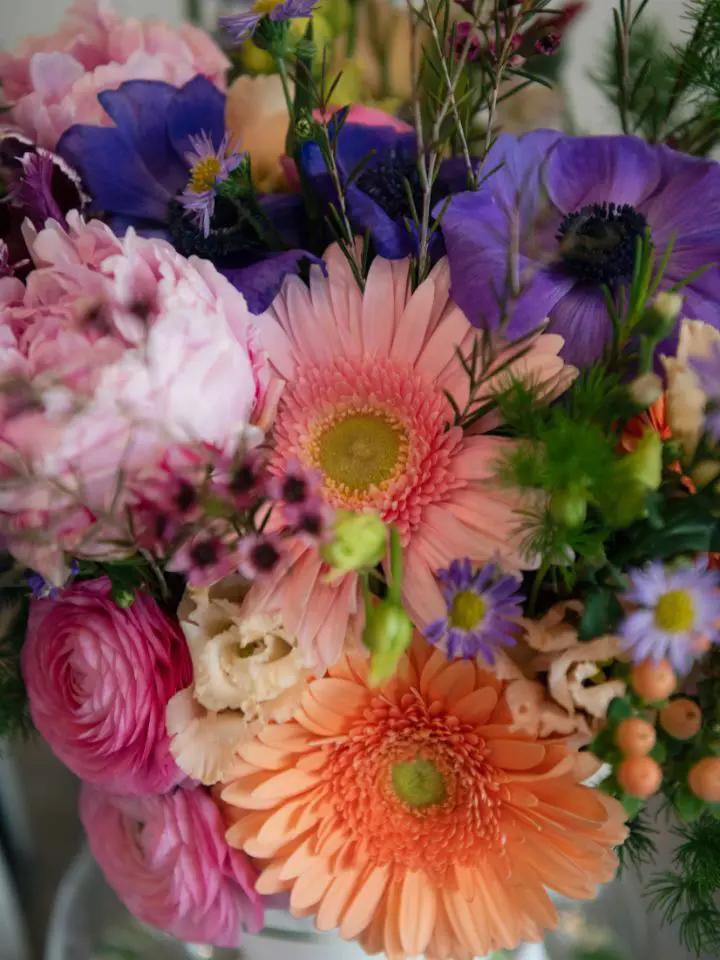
[{"x": 19, "y": 17}]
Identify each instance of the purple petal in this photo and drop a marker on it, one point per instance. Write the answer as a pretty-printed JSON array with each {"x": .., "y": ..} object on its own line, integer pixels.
[
  {"x": 131, "y": 190},
  {"x": 261, "y": 282},
  {"x": 581, "y": 318},
  {"x": 139, "y": 109},
  {"x": 584, "y": 170},
  {"x": 196, "y": 108},
  {"x": 291, "y": 9},
  {"x": 240, "y": 26}
]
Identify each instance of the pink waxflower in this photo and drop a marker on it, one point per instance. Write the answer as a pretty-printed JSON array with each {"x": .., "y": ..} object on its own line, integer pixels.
[
  {"x": 116, "y": 351},
  {"x": 52, "y": 81},
  {"x": 167, "y": 859},
  {"x": 99, "y": 678}
]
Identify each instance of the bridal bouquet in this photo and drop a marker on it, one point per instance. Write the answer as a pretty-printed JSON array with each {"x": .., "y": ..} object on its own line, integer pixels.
[{"x": 360, "y": 464}]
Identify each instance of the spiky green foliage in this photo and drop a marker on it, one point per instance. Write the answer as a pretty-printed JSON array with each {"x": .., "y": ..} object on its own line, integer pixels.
[
  {"x": 639, "y": 848},
  {"x": 686, "y": 894},
  {"x": 663, "y": 91}
]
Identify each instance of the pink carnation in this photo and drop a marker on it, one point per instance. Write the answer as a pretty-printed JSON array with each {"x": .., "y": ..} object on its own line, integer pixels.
[
  {"x": 99, "y": 678},
  {"x": 53, "y": 80},
  {"x": 167, "y": 859},
  {"x": 115, "y": 352}
]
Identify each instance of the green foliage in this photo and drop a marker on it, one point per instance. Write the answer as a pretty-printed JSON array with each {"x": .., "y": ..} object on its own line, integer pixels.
[
  {"x": 662, "y": 91},
  {"x": 601, "y": 614},
  {"x": 14, "y": 715},
  {"x": 687, "y": 893},
  {"x": 639, "y": 848}
]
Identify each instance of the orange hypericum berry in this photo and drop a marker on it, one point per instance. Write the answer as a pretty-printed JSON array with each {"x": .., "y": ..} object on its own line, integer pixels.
[
  {"x": 681, "y": 719},
  {"x": 639, "y": 776},
  {"x": 635, "y": 737},
  {"x": 653, "y": 681},
  {"x": 704, "y": 779}
]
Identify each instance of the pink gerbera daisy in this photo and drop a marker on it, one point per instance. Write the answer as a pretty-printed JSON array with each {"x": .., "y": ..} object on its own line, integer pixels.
[{"x": 365, "y": 407}]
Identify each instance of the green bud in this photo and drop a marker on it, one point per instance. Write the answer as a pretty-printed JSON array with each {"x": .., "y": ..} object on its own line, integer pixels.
[
  {"x": 644, "y": 465},
  {"x": 387, "y": 635},
  {"x": 569, "y": 508},
  {"x": 359, "y": 542},
  {"x": 123, "y": 597},
  {"x": 303, "y": 128},
  {"x": 659, "y": 319}
]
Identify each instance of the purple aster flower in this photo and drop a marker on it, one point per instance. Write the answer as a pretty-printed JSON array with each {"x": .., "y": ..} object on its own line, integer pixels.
[
  {"x": 708, "y": 372},
  {"x": 137, "y": 172},
  {"x": 481, "y": 608},
  {"x": 209, "y": 166},
  {"x": 241, "y": 26},
  {"x": 678, "y": 612},
  {"x": 562, "y": 216}
]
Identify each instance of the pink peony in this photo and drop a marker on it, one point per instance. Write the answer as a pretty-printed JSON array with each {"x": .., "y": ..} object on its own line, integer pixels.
[
  {"x": 167, "y": 859},
  {"x": 117, "y": 351},
  {"x": 53, "y": 80},
  {"x": 99, "y": 679}
]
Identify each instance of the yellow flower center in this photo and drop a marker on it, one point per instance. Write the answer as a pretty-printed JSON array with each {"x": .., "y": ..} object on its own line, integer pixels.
[
  {"x": 360, "y": 450},
  {"x": 467, "y": 610},
  {"x": 265, "y": 6},
  {"x": 419, "y": 783},
  {"x": 204, "y": 174},
  {"x": 675, "y": 611}
]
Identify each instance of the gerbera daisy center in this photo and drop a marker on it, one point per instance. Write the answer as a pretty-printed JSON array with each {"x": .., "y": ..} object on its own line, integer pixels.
[
  {"x": 419, "y": 783},
  {"x": 467, "y": 610},
  {"x": 675, "y": 611},
  {"x": 360, "y": 450},
  {"x": 598, "y": 243}
]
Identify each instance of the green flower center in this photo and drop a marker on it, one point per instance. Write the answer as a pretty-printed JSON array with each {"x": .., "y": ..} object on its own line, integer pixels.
[
  {"x": 467, "y": 610},
  {"x": 675, "y": 611},
  {"x": 361, "y": 450},
  {"x": 419, "y": 783}
]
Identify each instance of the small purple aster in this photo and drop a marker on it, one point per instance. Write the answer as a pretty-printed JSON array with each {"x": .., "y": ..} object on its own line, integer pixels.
[
  {"x": 42, "y": 590},
  {"x": 678, "y": 613},
  {"x": 241, "y": 26},
  {"x": 708, "y": 373},
  {"x": 209, "y": 166},
  {"x": 481, "y": 608}
]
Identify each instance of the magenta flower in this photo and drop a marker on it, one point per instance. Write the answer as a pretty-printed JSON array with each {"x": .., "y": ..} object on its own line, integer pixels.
[
  {"x": 678, "y": 613},
  {"x": 481, "y": 608},
  {"x": 167, "y": 860},
  {"x": 99, "y": 679}
]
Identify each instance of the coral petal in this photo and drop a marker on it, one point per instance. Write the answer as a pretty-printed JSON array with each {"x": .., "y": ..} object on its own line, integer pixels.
[
  {"x": 476, "y": 707},
  {"x": 514, "y": 754},
  {"x": 360, "y": 912},
  {"x": 457, "y": 679},
  {"x": 418, "y": 906}
]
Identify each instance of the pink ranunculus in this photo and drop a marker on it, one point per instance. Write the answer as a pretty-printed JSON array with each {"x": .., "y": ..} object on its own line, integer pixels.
[
  {"x": 53, "y": 81},
  {"x": 167, "y": 859},
  {"x": 118, "y": 351},
  {"x": 99, "y": 678}
]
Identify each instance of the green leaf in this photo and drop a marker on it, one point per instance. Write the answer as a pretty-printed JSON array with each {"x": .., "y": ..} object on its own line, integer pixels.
[
  {"x": 632, "y": 805},
  {"x": 601, "y": 615},
  {"x": 659, "y": 753},
  {"x": 618, "y": 710},
  {"x": 602, "y": 745},
  {"x": 687, "y": 806}
]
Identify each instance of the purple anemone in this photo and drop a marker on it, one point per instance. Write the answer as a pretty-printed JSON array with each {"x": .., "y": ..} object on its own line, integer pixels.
[{"x": 560, "y": 218}]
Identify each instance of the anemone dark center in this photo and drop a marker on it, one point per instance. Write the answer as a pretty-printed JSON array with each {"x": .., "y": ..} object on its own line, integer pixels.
[
  {"x": 387, "y": 182},
  {"x": 230, "y": 233},
  {"x": 598, "y": 244}
]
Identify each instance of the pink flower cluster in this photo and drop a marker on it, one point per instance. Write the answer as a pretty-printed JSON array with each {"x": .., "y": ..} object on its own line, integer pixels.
[
  {"x": 53, "y": 81},
  {"x": 99, "y": 678},
  {"x": 168, "y": 861},
  {"x": 119, "y": 357}
]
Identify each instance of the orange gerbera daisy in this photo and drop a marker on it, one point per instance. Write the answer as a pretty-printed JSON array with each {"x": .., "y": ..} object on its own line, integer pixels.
[{"x": 414, "y": 817}]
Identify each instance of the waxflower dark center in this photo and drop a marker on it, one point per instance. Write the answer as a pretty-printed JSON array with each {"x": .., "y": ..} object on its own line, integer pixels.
[{"x": 598, "y": 244}]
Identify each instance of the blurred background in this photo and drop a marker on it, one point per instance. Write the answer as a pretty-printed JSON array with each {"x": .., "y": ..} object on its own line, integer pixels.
[{"x": 39, "y": 826}]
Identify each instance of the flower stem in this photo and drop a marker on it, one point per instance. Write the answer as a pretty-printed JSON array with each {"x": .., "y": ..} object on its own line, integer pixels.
[{"x": 396, "y": 567}]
